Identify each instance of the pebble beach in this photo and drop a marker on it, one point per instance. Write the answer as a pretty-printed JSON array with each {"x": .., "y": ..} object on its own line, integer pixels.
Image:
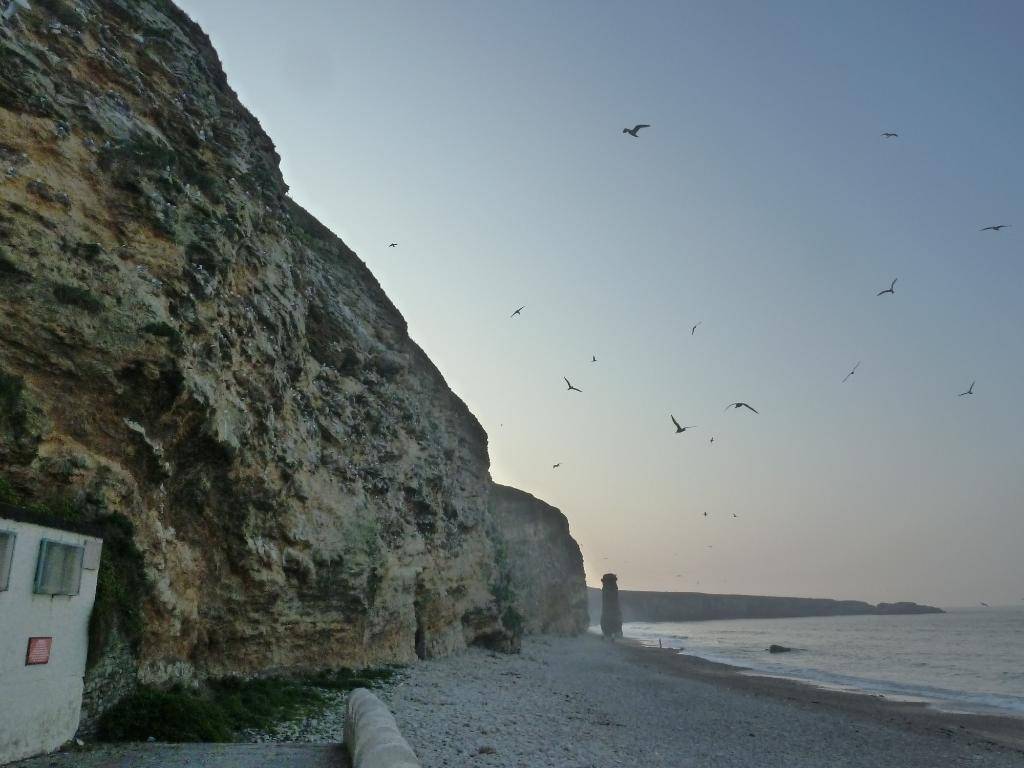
[{"x": 586, "y": 703}]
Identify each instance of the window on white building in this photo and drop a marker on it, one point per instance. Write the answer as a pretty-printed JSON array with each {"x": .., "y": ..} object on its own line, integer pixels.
[
  {"x": 6, "y": 556},
  {"x": 59, "y": 570}
]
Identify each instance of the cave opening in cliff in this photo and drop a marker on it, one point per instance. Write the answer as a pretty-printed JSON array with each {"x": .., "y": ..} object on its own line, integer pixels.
[{"x": 421, "y": 640}]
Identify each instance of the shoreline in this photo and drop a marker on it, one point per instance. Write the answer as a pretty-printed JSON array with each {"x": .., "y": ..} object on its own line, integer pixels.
[{"x": 1002, "y": 732}]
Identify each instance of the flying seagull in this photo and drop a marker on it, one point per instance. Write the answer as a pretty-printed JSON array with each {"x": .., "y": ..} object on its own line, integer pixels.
[
  {"x": 633, "y": 131},
  {"x": 679, "y": 428},
  {"x": 694, "y": 329},
  {"x": 739, "y": 405},
  {"x": 996, "y": 228},
  {"x": 392, "y": 245},
  {"x": 593, "y": 358},
  {"x": 891, "y": 289},
  {"x": 556, "y": 466},
  {"x": 571, "y": 387},
  {"x": 518, "y": 311},
  {"x": 712, "y": 441},
  {"x": 888, "y": 135},
  {"x": 986, "y": 605},
  {"x": 852, "y": 372},
  {"x": 734, "y": 514},
  {"x": 705, "y": 514},
  {"x": 970, "y": 391},
  {"x": 12, "y": 9}
]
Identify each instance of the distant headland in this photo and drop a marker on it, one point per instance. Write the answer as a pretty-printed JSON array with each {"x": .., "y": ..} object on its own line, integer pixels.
[{"x": 700, "y": 606}]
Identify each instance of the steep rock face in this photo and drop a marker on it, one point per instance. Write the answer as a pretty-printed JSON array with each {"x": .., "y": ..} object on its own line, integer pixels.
[
  {"x": 698, "y": 606},
  {"x": 544, "y": 563},
  {"x": 182, "y": 345}
]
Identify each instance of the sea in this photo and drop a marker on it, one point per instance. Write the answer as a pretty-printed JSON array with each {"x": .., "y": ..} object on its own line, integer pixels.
[{"x": 968, "y": 660}]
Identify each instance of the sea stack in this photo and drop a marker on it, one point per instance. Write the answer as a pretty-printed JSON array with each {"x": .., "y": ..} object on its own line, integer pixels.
[{"x": 611, "y": 614}]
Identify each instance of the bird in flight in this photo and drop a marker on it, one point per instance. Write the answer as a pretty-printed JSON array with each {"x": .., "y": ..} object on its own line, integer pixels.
[
  {"x": 888, "y": 135},
  {"x": 679, "y": 428},
  {"x": 693, "y": 330},
  {"x": 518, "y": 311},
  {"x": 970, "y": 391},
  {"x": 734, "y": 514},
  {"x": 712, "y": 441},
  {"x": 593, "y": 358},
  {"x": 891, "y": 289},
  {"x": 571, "y": 387},
  {"x": 392, "y": 245},
  {"x": 633, "y": 131},
  {"x": 852, "y": 372},
  {"x": 986, "y": 605},
  {"x": 556, "y": 466},
  {"x": 739, "y": 405},
  {"x": 996, "y": 228},
  {"x": 705, "y": 514}
]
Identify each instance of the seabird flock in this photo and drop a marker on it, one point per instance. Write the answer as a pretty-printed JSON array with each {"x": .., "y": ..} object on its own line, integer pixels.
[{"x": 679, "y": 429}]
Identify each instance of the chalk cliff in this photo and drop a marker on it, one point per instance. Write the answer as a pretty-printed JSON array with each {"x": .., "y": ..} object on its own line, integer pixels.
[
  {"x": 187, "y": 352},
  {"x": 544, "y": 563},
  {"x": 698, "y": 606}
]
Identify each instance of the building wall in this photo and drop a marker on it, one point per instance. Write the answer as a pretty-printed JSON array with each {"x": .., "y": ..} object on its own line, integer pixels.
[{"x": 40, "y": 704}]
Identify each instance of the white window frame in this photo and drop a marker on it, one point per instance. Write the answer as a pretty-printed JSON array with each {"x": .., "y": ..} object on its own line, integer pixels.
[
  {"x": 7, "y": 558},
  {"x": 69, "y": 590}
]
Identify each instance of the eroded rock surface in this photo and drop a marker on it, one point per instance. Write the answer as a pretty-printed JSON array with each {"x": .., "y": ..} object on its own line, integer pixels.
[
  {"x": 544, "y": 563},
  {"x": 182, "y": 345}
]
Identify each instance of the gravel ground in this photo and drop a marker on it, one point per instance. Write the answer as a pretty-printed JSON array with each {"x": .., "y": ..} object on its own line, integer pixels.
[{"x": 586, "y": 703}]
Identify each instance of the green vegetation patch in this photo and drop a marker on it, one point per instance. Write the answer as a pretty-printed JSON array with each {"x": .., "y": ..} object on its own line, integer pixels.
[
  {"x": 77, "y": 297},
  {"x": 121, "y": 589},
  {"x": 223, "y": 708},
  {"x": 350, "y": 679},
  {"x": 176, "y": 715},
  {"x": 12, "y": 407}
]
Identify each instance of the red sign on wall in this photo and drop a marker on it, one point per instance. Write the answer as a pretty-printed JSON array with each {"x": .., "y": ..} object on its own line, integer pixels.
[{"x": 38, "y": 650}]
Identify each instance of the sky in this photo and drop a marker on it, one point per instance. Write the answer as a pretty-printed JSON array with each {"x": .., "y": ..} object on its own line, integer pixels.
[{"x": 487, "y": 142}]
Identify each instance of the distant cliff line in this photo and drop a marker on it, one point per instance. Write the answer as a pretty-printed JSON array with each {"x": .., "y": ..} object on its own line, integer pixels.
[{"x": 700, "y": 606}]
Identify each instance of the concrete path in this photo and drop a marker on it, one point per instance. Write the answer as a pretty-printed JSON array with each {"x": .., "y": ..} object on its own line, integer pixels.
[{"x": 196, "y": 756}]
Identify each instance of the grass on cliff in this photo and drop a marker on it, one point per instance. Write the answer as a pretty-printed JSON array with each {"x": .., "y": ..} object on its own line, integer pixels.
[{"x": 224, "y": 708}]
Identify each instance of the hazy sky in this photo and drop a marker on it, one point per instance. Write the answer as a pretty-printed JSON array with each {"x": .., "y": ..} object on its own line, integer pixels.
[{"x": 487, "y": 141}]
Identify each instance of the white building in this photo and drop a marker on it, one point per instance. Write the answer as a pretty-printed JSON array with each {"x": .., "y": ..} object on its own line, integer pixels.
[{"x": 47, "y": 587}]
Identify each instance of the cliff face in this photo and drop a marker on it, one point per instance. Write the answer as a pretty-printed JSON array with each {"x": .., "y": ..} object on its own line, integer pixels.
[
  {"x": 182, "y": 346},
  {"x": 544, "y": 562},
  {"x": 697, "y": 606}
]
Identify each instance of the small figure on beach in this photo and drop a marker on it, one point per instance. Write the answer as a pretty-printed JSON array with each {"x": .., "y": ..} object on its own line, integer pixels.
[{"x": 611, "y": 613}]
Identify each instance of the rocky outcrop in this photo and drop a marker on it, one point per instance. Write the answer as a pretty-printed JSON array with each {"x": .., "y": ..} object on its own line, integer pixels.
[
  {"x": 547, "y": 580},
  {"x": 185, "y": 350},
  {"x": 698, "y": 606},
  {"x": 611, "y": 611}
]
